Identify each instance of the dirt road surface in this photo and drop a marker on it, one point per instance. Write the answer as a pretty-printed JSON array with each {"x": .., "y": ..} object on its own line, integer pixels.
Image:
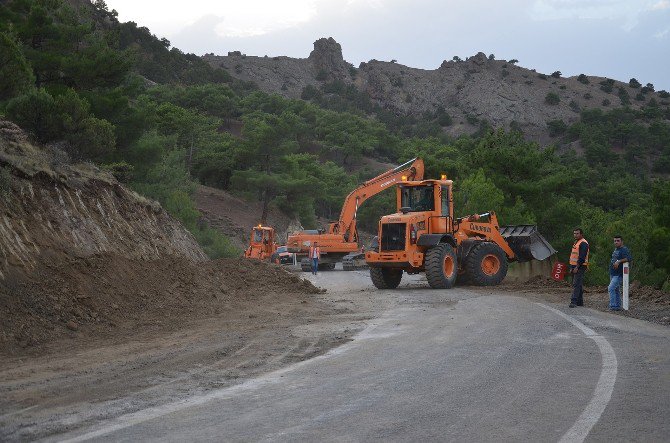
[{"x": 356, "y": 363}]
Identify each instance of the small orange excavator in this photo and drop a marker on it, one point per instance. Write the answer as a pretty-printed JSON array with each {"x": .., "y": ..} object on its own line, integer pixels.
[
  {"x": 424, "y": 236},
  {"x": 262, "y": 245},
  {"x": 341, "y": 238}
]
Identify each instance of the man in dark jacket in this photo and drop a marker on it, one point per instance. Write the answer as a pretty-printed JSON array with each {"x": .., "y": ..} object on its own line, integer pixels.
[
  {"x": 579, "y": 261},
  {"x": 620, "y": 256}
]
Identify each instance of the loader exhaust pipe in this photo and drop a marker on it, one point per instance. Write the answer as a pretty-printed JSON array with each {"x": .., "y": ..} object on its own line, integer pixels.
[{"x": 526, "y": 242}]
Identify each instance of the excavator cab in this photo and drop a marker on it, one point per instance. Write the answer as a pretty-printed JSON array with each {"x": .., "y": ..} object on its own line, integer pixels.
[
  {"x": 424, "y": 236},
  {"x": 262, "y": 245}
]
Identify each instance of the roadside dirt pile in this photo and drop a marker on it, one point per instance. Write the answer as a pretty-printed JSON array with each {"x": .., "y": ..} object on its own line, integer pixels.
[
  {"x": 84, "y": 257},
  {"x": 100, "y": 297}
]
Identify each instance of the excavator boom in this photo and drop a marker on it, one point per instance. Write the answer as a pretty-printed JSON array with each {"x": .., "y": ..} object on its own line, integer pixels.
[
  {"x": 342, "y": 237},
  {"x": 412, "y": 170}
]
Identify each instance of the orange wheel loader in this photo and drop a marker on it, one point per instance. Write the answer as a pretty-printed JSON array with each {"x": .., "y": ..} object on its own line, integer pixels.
[
  {"x": 424, "y": 236},
  {"x": 262, "y": 245},
  {"x": 341, "y": 238}
]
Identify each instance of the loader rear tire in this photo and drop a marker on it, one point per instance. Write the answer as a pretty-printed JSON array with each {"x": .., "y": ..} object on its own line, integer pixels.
[
  {"x": 384, "y": 278},
  {"x": 441, "y": 266},
  {"x": 305, "y": 265},
  {"x": 486, "y": 264}
]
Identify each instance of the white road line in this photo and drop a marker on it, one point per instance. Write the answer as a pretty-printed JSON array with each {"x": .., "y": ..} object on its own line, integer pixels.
[
  {"x": 604, "y": 388},
  {"x": 144, "y": 415}
]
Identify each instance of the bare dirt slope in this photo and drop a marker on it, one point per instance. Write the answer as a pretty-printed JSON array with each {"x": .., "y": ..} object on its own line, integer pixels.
[{"x": 235, "y": 217}]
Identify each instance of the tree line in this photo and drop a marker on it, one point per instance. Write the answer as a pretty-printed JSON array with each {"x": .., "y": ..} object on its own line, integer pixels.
[{"x": 163, "y": 121}]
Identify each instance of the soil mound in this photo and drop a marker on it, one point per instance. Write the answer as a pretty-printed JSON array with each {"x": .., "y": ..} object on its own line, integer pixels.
[{"x": 107, "y": 295}]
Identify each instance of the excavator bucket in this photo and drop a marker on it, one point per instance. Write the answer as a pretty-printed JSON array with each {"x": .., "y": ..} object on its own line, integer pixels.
[{"x": 526, "y": 242}]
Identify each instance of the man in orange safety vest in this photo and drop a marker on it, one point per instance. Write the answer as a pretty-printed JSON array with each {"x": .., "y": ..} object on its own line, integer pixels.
[
  {"x": 314, "y": 256},
  {"x": 579, "y": 262}
]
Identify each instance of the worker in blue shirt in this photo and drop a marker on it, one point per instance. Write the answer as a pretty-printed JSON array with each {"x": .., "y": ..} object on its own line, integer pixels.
[{"x": 620, "y": 256}]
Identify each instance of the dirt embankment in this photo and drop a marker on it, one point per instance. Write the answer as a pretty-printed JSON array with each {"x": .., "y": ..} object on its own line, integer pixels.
[
  {"x": 100, "y": 298},
  {"x": 84, "y": 258}
]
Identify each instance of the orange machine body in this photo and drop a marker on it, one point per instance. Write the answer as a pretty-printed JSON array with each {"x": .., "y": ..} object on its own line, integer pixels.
[
  {"x": 341, "y": 238},
  {"x": 262, "y": 244},
  {"x": 424, "y": 236}
]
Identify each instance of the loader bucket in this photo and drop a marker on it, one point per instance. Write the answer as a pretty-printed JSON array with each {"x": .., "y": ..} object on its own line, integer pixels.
[{"x": 526, "y": 242}]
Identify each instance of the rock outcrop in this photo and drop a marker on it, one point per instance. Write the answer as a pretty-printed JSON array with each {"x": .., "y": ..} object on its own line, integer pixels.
[{"x": 476, "y": 91}]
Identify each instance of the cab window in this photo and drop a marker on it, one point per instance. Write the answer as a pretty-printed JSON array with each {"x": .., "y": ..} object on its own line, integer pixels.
[
  {"x": 444, "y": 198},
  {"x": 258, "y": 235},
  {"x": 417, "y": 198}
]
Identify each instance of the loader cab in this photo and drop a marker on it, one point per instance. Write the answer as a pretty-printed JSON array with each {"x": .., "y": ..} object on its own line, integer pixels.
[
  {"x": 262, "y": 242},
  {"x": 430, "y": 197}
]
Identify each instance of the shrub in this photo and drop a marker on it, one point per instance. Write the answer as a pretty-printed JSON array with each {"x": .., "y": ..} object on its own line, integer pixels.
[
  {"x": 122, "y": 171},
  {"x": 623, "y": 96},
  {"x": 606, "y": 102},
  {"x": 505, "y": 73},
  {"x": 633, "y": 83},
  {"x": 648, "y": 88},
  {"x": 513, "y": 61},
  {"x": 556, "y": 74},
  {"x": 583, "y": 79},
  {"x": 562, "y": 87},
  {"x": 552, "y": 99},
  {"x": 542, "y": 76},
  {"x": 606, "y": 86},
  {"x": 588, "y": 96},
  {"x": 492, "y": 57},
  {"x": 663, "y": 94},
  {"x": 556, "y": 127},
  {"x": 35, "y": 111},
  {"x": 457, "y": 58},
  {"x": 640, "y": 97}
]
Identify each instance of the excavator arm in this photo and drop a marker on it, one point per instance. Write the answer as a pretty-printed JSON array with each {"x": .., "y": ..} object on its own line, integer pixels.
[{"x": 412, "y": 170}]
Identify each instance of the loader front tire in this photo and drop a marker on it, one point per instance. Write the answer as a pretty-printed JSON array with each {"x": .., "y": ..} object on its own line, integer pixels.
[
  {"x": 486, "y": 264},
  {"x": 385, "y": 278},
  {"x": 441, "y": 266}
]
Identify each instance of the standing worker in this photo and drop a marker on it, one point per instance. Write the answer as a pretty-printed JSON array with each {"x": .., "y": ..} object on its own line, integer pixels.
[
  {"x": 314, "y": 256},
  {"x": 620, "y": 256},
  {"x": 579, "y": 261}
]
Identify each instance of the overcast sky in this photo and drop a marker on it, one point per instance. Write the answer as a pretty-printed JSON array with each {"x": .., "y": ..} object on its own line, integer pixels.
[{"x": 619, "y": 39}]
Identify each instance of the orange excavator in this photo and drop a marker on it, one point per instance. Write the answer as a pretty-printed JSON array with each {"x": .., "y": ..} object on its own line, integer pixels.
[{"x": 341, "y": 238}]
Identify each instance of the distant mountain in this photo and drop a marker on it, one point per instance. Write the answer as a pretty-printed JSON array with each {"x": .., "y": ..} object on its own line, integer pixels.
[{"x": 467, "y": 93}]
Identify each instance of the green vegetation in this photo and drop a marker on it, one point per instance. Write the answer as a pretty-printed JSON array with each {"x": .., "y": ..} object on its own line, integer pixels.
[
  {"x": 552, "y": 98},
  {"x": 583, "y": 79},
  {"x": 162, "y": 121}
]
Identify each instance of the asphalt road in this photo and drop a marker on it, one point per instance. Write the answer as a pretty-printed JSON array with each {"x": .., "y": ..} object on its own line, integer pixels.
[{"x": 457, "y": 365}]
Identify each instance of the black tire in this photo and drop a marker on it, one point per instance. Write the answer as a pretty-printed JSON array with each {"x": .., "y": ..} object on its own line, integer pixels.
[
  {"x": 441, "y": 266},
  {"x": 486, "y": 264},
  {"x": 305, "y": 265},
  {"x": 384, "y": 278},
  {"x": 326, "y": 266}
]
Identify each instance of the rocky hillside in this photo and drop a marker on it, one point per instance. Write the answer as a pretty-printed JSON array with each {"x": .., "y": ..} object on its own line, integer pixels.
[
  {"x": 472, "y": 91},
  {"x": 52, "y": 211}
]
